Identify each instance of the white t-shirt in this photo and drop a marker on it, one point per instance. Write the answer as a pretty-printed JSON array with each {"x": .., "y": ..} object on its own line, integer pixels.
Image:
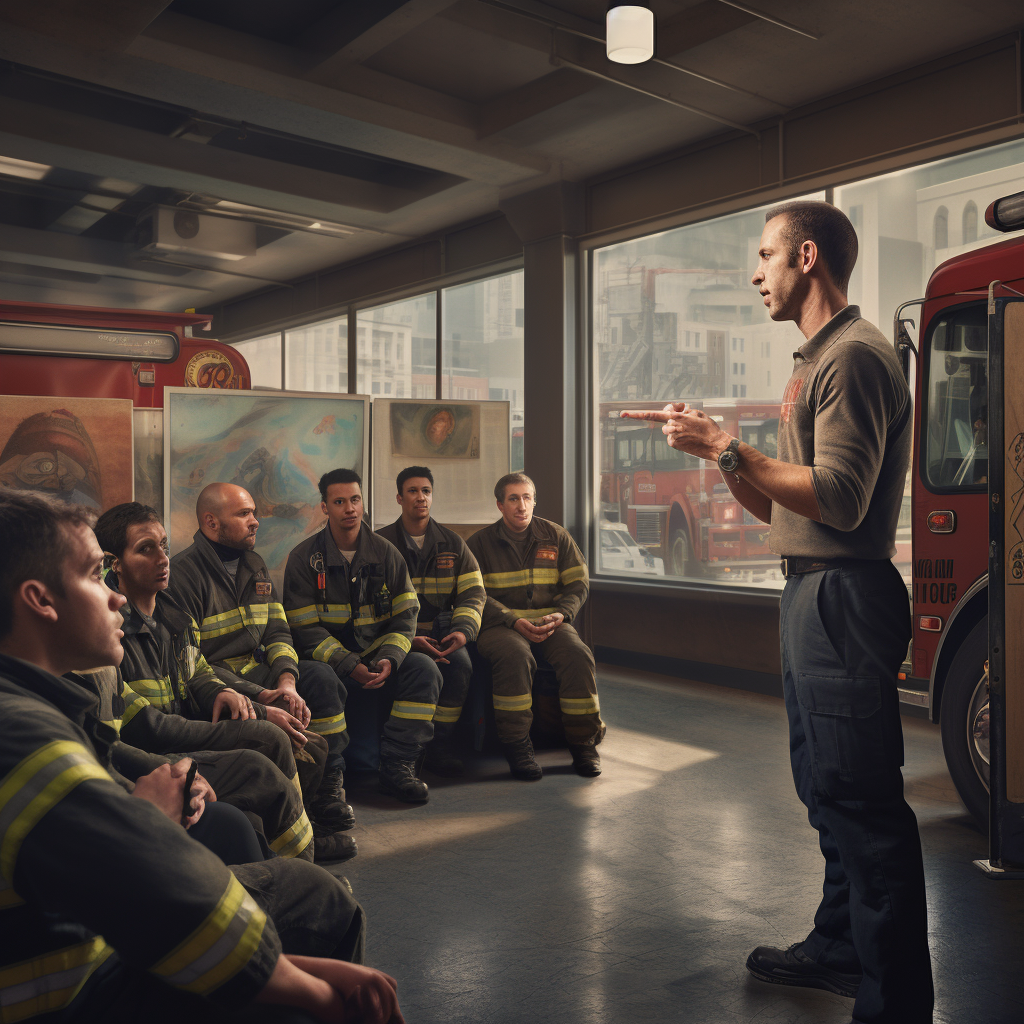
[{"x": 418, "y": 541}]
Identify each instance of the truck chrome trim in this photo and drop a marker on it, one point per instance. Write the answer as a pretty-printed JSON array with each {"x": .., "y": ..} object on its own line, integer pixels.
[{"x": 916, "y": 697}]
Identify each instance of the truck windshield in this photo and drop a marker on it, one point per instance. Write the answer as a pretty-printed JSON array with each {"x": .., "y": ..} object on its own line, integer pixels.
[{"x": 956, "y": 419}]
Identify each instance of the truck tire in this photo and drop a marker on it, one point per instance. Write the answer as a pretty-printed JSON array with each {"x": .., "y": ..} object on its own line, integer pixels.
[
  {"x": 680, "y": 553},
  {"x": 963, "y": 720}
]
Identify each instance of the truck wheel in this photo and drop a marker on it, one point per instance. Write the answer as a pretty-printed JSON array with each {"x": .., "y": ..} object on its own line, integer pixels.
[
  {"x": 963, "y": 719},
  {"x": 680, "y": 553}
]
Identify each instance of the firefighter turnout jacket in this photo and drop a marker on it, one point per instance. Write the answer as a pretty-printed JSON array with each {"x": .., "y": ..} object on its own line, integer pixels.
[
  {"x": 343, "y": 614},
  {"x": 70, "y": 836},
  {"x": 243, "y": 631},
  {"x": 545, "y": 574},
  {"x": 447, "y": 580}
]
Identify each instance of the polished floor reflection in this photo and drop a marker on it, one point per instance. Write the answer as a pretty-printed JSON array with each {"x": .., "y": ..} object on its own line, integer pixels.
[{"x": 637, "y": 896}]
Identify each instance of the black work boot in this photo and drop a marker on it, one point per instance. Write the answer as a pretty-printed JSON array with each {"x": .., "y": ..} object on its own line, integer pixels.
[
  {"x": 398, "y": 778},
  {"x": 793, "y": 967},
  {"x": 333, "y": 846},
  {"x": 521, "y": 760},
  {"x": 441, "y": 759},
  {"x": 585, "y": 759},
  {"x": 328, "y": 809}
]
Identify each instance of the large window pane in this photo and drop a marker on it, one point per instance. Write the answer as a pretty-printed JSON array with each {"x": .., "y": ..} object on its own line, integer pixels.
[
  {"x": 396, "y": 354},
  {"x": 675, "y": 317},
  {"x": 482, "y": 347},
  {"x": 264, "y": 358},
  {"x": 317, "y": 356}
]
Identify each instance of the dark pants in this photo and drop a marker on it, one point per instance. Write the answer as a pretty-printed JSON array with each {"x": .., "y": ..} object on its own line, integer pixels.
[
  {"x": 229, "y": 833},
  {"x": 325, "y": 695},
  {"x": 413, "y": 693},
  {"x": 844, "y": 635},
  {"x": 455, "y": 678},
  {"x": 314, "y": 914}
]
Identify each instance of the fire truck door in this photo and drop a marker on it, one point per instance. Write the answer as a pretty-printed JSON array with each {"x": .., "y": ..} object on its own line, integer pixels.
[{"x": 1006, "y": 583}]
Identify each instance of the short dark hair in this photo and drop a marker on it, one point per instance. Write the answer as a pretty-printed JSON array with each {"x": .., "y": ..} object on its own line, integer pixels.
[
  {"x": 112, "y": 527},
  {"x": 338, "y": 476},
  {"x": 828, "y": 228},
  {"x": 411, "y": 471},
  {"x": 34, "y": 544},
  {"x": 512, "y": 478}
]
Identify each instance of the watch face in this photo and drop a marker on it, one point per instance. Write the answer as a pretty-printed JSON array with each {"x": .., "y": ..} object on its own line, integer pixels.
[{"x": 728, "y": 461}]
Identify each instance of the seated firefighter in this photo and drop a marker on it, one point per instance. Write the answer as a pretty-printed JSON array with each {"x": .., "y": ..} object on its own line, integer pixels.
[
  {"x": 351, "y": 607},
  {"x": 191, "y": 939},
  {"x": 173, "y": 702},
  {"x": 536, "y": 582},
  {"x": 451, "y": 594},
  {"x": 224, "y": 587}
]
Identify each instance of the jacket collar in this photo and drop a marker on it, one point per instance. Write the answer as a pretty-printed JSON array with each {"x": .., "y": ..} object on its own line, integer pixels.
[
  {"x": 433, "y": 538},
  {"x": 249, "y": 564},
  {"x": 167, "y": 613},
  {"x": 830, "y": 333},
  {"x": 364, "y": 543},
  {"x": 24, "y": 678}
]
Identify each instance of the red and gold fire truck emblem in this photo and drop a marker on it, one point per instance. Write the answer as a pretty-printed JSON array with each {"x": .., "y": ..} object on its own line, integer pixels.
[{"x": 209, "y": 369}]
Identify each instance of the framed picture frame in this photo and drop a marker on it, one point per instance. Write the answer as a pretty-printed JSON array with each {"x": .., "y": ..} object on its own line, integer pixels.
[
  {"x": 465, "y": 444},
  {"x": 275, "y": 444}
]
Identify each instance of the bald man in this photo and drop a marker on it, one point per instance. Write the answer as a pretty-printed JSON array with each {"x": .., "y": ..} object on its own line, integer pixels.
[{"x": 224, "y": 585}]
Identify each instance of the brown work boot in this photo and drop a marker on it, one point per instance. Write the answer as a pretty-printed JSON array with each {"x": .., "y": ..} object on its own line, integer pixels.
[
  {"x": 585, "y": 759},
  {"x": 521, "y": 760}
]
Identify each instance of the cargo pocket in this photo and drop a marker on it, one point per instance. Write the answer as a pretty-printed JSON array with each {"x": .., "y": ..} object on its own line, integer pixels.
[{"x": 845, "y": 724}]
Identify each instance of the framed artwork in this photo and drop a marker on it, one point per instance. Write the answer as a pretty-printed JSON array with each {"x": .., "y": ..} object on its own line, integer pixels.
[
  {"x": 464, "y": 444},
  {"x": 78, "y": 450},
  {"x": 274, "y": 444}
]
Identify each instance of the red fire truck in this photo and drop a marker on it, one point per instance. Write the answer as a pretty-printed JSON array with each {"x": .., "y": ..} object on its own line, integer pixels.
[
  {"x": 678, "y": 505},
  {"x": 90, "y": 352},
  {"x": 947, "y": 667}
]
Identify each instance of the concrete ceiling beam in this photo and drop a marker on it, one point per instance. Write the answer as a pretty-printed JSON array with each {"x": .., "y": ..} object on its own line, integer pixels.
[{"x": 103, "y": 24}]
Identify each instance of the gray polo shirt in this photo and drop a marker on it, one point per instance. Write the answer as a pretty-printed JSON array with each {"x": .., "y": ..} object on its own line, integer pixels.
[{"x": 846, "y": 413}]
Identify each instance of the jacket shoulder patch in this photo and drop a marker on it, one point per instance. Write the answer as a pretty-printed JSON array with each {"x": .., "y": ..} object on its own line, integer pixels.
[{"x": 547, "y": 554}]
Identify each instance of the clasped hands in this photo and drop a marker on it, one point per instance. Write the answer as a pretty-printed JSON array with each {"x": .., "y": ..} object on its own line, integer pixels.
[
  {"x": 440, "y": 650},
  {"x": 164, "y": 788},
  {"x": 293, "y": 721},
  {"x": 538, "y": 630},
  {"x": 688, "y": 430}
]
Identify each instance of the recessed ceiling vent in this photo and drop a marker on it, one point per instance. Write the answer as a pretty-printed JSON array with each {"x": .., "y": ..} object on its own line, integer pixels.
[{"x": 177, "y": 232}]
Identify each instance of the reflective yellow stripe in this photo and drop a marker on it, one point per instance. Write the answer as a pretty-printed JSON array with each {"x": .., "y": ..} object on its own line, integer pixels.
[
  {"x": 292, "y": 841},
  {"x": 301, "y": 616},
  {"x": 50, "y": 982},
  {"x": 34, "y": 787},
  {"x": 447, "y": 714},
  {"x": 219, "y": 948},
  {"x": 132, "y": 707},
  {"x": 470, "y": 579},
  {"x": 241, "y": 664},
  {"x": 327, "y": 726},
  {"x": 115, "y": 724},
  {"x": 467, "y": 613},
  {"x": 157, "y": 692},
  {"x": 281, "y": 650},
  {"x": 234, "y": 620},
  {"x": 403, "y": 601},
  {"x": 399, "y": 640},
  {"x": 434, "y": 586},
  {"x": 276, "y": 611},
  {"x": 326, "y": 649},
  {"x": 371, "y": 620},
  {"x": 532, "y": 613},
  {"x": 522, "y": 702},
  {"x": 571, "y": 575},
  {"x": 522, "y": 578},
  {"x": 410, "y": 709},
  {"x": 579, "y": 705}
]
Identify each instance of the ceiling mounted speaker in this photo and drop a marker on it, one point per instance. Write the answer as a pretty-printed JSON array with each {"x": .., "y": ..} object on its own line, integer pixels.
[{"x": 630, "y": 33}]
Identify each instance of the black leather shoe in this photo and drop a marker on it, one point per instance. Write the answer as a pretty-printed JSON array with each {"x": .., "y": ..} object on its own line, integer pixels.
[
  {"x": 793, "y": 967},
  {"x": 328, "y": 810},
  {"x": 333, "y": 847},
  {"x": 521, "y": 760},
  {"x": 586, "y": 760},
  {"x": 398, "y": 778},
  {"x": 441, "y": 760}
]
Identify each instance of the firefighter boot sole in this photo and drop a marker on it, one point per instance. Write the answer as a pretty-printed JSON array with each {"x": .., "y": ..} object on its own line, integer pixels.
[{"x": 791, "y": 967}]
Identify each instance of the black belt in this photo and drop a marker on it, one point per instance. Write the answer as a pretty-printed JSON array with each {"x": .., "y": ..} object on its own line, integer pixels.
[{"x": 802, "y": 566}]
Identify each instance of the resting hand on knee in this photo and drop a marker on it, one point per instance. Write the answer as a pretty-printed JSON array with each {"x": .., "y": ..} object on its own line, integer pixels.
[{"x": 535, "y": 632}]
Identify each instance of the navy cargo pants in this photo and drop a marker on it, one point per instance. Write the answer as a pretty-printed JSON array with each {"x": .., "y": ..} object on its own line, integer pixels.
[{"x": 844, "y": 635}]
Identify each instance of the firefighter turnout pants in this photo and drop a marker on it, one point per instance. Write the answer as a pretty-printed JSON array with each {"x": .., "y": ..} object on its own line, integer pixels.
[
  {"x": 325, "y": 694},
  {"x": 455, "y": 678},
  {"x": 513, "y": 663},
  {"x": 314, "y": 913},
  {"x": 254, "y": 784}
]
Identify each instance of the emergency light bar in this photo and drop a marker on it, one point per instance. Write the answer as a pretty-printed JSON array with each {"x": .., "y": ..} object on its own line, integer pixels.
[{"x": 1006, "y": 214}]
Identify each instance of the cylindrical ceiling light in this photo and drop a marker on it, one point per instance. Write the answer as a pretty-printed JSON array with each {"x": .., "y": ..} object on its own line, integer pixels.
[{"x": 630, "y": 32}]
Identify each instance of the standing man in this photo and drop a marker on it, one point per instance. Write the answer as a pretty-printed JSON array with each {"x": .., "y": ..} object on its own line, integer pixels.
[
  {"x": 451, "y": 593},
  {"x": 833, "y": 500},
  {"x": 536, "y": 582},
  {"x": 225, "y": 586},
  {"x": 352, "y": 608}
]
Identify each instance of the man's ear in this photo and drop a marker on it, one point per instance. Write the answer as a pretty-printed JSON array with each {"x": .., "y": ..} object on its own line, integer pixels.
[
  {"x": 398, "y": 498},
  {"x": 323, "y": 507},
  {"x": 38, "y": 599},
  {"x": 808, "y": 257}
]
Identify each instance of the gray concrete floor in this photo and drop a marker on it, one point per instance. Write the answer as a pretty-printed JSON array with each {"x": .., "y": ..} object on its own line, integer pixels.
[{"x": 638, "y": 895}]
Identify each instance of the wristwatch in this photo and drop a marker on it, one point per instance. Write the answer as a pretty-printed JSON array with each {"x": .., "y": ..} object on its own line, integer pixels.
[{"x": 730, "y": 458}]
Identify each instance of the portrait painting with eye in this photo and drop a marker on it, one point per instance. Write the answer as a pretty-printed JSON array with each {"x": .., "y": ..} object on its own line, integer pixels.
[
  {"x": 78, "y": 450},
  {"x": 435, "y": 430}
]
